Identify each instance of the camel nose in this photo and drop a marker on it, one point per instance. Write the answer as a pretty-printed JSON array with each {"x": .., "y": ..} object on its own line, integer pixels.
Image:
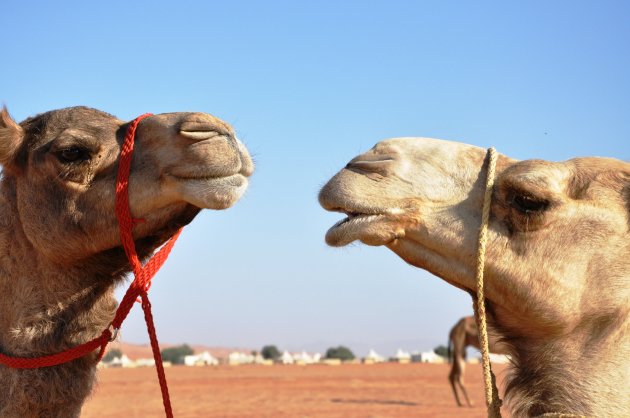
[
  {"x": 198, "y": 127},
  {"x": 373, "y": 163},
  {"x": 201, "y": 126}
]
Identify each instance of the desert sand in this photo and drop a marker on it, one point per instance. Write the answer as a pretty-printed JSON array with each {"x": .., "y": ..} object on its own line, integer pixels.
[{"x": 387, "y": 390}]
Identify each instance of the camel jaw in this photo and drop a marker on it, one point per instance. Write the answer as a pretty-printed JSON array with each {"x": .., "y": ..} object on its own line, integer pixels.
[{"x": 210, "y": 192}]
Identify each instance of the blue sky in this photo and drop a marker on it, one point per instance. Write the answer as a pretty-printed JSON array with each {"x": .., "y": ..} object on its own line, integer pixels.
[{"x": 307, "y": 87}]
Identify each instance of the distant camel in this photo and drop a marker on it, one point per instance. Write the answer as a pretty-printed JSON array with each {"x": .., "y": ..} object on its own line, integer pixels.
[
  {"x": 465, "y": 334},
  {"x": 60, "y": 250},
  {"x": 557, "y": 267}
]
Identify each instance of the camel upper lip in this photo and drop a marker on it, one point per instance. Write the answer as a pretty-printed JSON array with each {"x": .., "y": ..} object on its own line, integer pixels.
[
  {"x": 356, "y": 211},
  {"x": 354, "y": 216},
  {"x": 202, "y": 177},
  {"x": 360, "y": 215}
]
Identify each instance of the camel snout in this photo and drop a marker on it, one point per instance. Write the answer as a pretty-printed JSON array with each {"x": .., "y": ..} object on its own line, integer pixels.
[{"x": 247, "y": 163}]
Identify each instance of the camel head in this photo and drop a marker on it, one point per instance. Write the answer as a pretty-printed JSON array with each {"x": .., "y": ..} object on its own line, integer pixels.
[
  {"x": 557, "y": 266},
  {"x": 61, "y": 168},
  {"x": 558, "y": 231}
]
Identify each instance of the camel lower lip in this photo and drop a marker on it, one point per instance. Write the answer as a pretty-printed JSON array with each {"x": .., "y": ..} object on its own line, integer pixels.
[
  {"x": 349, "y": 229},
  {"x": 203, "y": 178},
  {"x": 213, "y": 192},
  {"x": 355, "y": 218}
]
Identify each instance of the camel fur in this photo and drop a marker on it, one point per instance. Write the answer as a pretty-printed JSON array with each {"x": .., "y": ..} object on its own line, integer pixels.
[
  {"x": 557, "y": 267},
  {"x": 60, "y": 251}
]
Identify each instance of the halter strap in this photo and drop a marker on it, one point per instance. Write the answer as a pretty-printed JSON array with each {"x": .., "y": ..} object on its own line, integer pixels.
[
  {"x": 137, "y": 291},
  {"x": 493, "y": 402}
]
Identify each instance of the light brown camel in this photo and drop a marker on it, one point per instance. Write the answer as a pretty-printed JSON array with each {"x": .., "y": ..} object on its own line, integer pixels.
[
  {"x": 60, "y": 251},
  {"x": 557, "y": 262},
  {"x": 465, "y": 333}
]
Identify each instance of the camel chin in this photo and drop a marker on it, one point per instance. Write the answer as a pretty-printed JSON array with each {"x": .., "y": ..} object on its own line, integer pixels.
[{"x": 212, "y": 193}]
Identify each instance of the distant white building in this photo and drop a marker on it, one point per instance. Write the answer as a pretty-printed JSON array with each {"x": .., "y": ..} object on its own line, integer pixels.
[
  {"x": 122, "y": 361},
  {"x": 145, "y": 362},
  {"x": 373, "y": 357},
  {"x": 259, "y": 359},
  {"x": 401, "y": 356},
  {"x": 306, "y": 358},
  {"x": 494, "y": 358},
  {"x": 202, "y": 359},
  {"x": 236, "y": 358},
  {"x": 286, "y": 358},
  {"x": 427, "y": 357}
]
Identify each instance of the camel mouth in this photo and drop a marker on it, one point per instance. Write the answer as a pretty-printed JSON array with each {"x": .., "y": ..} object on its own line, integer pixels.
[
  {"x": 371, "y": 228},
  {"x": 212, "y": 192},
  {"x": 354, "y": 218},
  {"x": 193, "y": 177}
]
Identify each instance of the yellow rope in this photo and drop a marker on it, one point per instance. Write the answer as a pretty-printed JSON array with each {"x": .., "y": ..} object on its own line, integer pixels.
[{"x": 493, "y": 402}]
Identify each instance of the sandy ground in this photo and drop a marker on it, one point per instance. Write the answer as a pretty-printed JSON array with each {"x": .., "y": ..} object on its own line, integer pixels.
[{"x": 348, "y": 391}]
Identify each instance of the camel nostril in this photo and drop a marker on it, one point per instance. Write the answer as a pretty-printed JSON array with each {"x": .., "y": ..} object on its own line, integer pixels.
[
  {"x": 198, "y": 135},
  {"x": 199, "y": 129},
  {"x": 381, "y": 166}
]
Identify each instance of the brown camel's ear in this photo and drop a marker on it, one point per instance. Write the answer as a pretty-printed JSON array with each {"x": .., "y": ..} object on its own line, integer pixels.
[{"x": 11, "y": 137}]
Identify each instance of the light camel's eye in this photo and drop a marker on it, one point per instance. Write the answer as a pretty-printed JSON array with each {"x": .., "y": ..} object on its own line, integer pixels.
[
  {"x": 73, "y": 155},
  {"x": 528, "y": 204}
]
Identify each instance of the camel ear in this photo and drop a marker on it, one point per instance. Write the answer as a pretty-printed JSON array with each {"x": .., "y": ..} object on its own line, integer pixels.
[{"x": 11, "y": 137}]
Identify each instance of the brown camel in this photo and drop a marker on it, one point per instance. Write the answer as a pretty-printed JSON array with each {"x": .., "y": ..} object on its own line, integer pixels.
[
  {"x": 60, "y": 251},
  {"x": 465, "y": 333},
  {"x": 557, "y": 261}
]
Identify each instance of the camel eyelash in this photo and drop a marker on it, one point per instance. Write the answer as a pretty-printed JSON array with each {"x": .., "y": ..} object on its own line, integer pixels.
[
  {"x": 528, "y": 204},
  {"x": 73, "y": 154}
]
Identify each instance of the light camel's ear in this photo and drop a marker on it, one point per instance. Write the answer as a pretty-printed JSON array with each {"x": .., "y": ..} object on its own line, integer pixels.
[{"x": 11, "y": 137}]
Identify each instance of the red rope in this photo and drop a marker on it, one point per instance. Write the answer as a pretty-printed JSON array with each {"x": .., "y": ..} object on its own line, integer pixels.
[
  {"x": 58, "y": 358},
  {"x": 137, "y": 290}
]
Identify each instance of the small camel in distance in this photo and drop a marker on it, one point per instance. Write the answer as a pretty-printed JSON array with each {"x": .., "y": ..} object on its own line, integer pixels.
[
  {"x": 557, "y": 265},
  {"x": 61, "y": 255},
  {"x": 465, "y": 333}
]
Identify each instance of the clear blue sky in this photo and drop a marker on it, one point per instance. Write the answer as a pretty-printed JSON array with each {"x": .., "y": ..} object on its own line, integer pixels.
[{"x": 307, "y": 87}]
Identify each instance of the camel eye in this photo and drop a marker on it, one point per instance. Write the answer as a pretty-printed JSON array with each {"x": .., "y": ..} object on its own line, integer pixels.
[
  {"x": 73, "y": 154},
  {"x": 527, "y": 204}
]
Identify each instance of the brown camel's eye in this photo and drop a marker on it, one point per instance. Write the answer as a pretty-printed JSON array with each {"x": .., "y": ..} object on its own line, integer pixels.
[
  {"x": 527, "y": 204},
  {"x": 73, "y": 154}
]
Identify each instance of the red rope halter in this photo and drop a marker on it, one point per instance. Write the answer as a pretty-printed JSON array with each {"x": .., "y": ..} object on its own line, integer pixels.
[{"x": 137, "y": 290}]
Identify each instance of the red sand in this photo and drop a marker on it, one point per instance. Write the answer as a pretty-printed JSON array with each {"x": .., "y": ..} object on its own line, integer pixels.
[{"x": 349, "y": 391}]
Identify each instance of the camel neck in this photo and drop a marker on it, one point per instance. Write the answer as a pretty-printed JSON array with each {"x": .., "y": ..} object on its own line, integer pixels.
[
  {"x": 46, "y": 307},
  {"x": 50, "y": 310},
  {"x": 585, "y": 373}
]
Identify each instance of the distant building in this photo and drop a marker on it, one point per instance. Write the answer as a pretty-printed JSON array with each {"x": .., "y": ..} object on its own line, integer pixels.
[
  {"x": 202, "y": 359},
  {"x": 427, "y": 357},
  {"x": 401, "y": 356},
  {"x": 236, "y": 358},
  {"x": 145, "y": 362},
  {"x": 373, "y": 357},
  {"x": 286, "y": 358},
  {"x": 122, "y": 361},
  {"x": 306, "y": 358}
]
